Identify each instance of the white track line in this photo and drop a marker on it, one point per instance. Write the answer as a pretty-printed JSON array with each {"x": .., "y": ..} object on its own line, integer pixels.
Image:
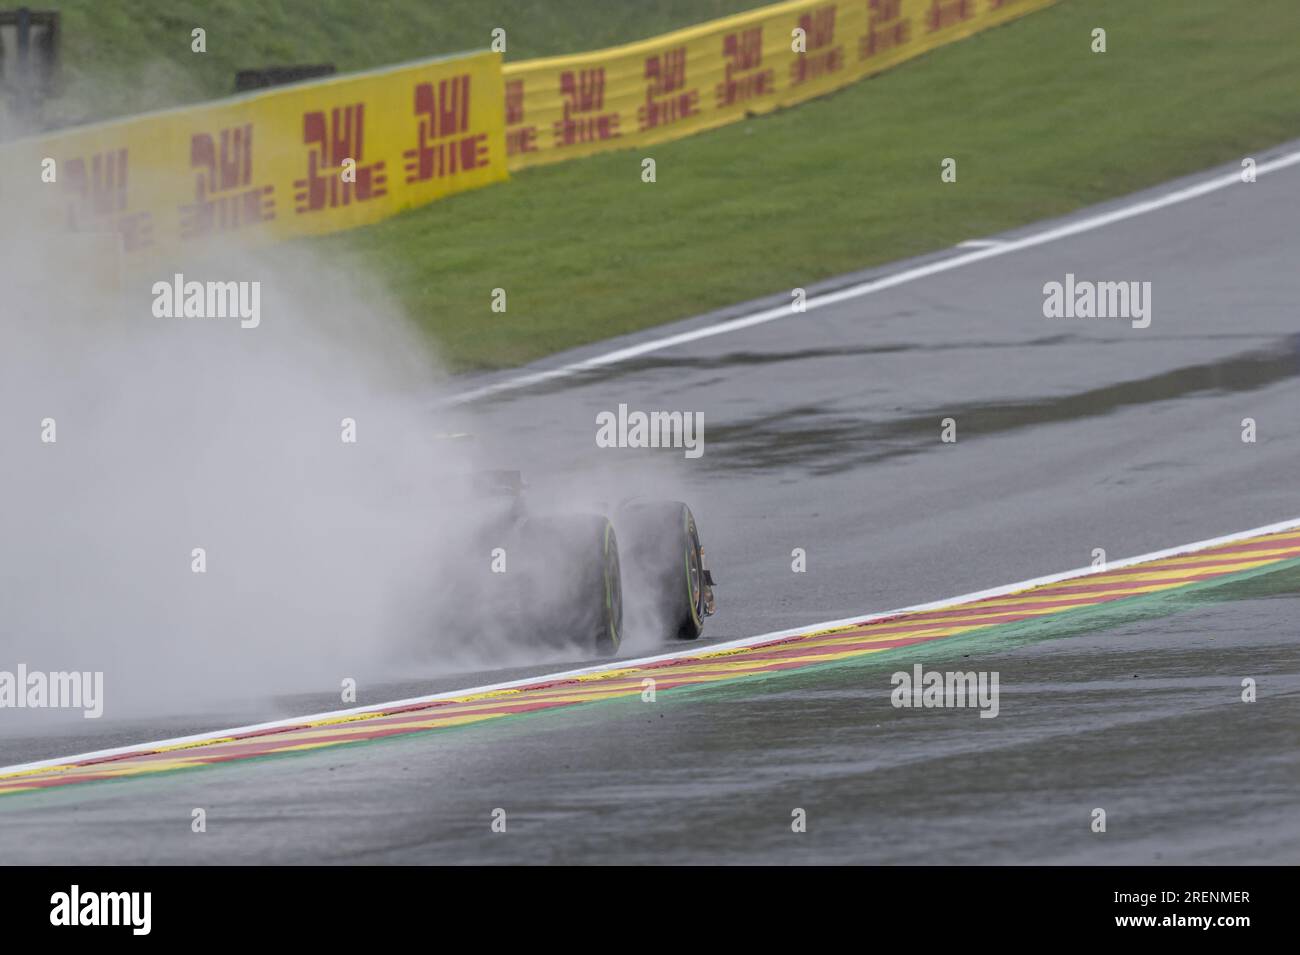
[
  {"x": 692, "y": 651},
  {"x": 1088, "y": 224}
]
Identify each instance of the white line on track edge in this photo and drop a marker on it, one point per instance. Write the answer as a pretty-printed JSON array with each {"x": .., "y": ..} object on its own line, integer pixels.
[
  {"x": 1088, "y": 224},
  {"x": 693, "y": 651}
]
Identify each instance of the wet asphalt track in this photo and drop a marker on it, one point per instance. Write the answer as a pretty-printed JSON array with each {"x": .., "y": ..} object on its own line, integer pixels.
[{"x": 822, "y": 432}]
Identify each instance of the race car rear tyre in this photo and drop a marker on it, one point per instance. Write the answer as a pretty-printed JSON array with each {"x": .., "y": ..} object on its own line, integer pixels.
[
  {"x": 590, "y": 594},
  {"x": 665, "y": 564}
]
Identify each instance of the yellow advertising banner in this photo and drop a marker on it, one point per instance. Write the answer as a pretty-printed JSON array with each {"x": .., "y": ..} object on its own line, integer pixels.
[
  {"x": 719, "y": 72},
  {"x": 300, "y": 160}
]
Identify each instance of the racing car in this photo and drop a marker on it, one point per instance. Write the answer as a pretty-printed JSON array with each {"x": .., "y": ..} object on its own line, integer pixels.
[{"x": 569, "y": 573}]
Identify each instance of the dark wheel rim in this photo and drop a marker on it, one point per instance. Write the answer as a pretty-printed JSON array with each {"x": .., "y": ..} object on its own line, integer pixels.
[{"x": 693, "y": 592}]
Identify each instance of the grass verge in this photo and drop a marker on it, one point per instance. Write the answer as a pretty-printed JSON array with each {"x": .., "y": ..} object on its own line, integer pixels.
[{"x": 1038, "y": 123}]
